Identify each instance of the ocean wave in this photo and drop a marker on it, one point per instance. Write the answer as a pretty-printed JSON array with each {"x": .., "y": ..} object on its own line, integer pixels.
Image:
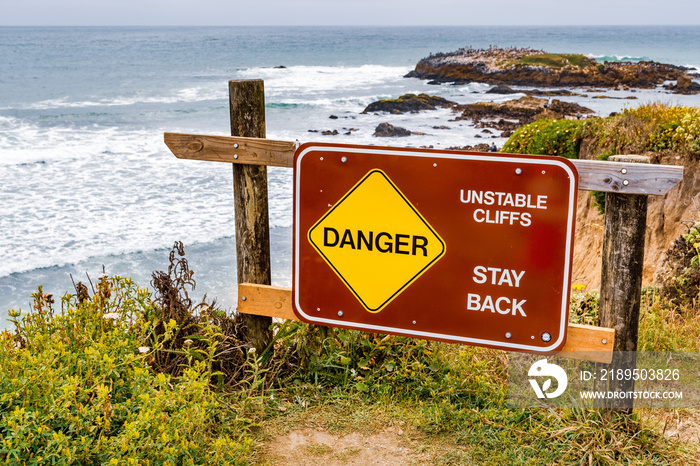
[
  {"x": 107, "y": 204},
  {"x": 311, "y": 79},
  {"x": 338, "y": 103},
  {"x": 110, "y": 191},
  {"x": 25, "y": 142},
  {"x": 615, "y": 58},
  {"x": 192, "y": 94}
]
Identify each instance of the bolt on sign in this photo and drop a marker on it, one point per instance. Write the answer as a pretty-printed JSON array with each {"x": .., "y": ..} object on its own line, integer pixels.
[{"x": 463, "y": 247}]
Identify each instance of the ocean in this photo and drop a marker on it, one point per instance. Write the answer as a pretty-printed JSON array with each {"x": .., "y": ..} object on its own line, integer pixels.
[{"x": 87, "y": 183}]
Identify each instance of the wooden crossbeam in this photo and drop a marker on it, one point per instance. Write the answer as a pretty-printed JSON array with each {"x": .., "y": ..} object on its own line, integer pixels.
[
  {"x": 583, "y": 341},
  {"x": 627, "y": 177},
  {"x": 231, "y": 149},
  {"x": 594, "y": 175}
]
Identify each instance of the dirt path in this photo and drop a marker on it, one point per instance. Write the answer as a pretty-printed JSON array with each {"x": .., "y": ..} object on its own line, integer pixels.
[{"x": 313, "y": 447}]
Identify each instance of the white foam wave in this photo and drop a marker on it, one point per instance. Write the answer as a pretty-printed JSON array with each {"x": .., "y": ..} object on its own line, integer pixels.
[
  {"x": 313, "y": 79},
  {"x": 23, "y": 142},
  {"x": 623, "y": 57},
  {"x": 109, "y": 191},
  {"x": 114, "y": 191},
  {"x": 121, "y": 194},
  {"x": 117, "y": 190},
  {"x": 191, "y": 94}
]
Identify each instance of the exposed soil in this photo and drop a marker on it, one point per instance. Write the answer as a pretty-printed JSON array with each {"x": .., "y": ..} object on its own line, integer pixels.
[
  {"x": 312, "y": 447},
  {"x": 353, "y": 435},
  {"x": 392, "y": 446}
]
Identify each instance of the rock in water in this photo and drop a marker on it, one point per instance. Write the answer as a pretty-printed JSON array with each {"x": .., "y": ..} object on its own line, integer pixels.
[
  {"x": 684, "y": 85},
  {"x": 385, "y": 130},
  {"x": 528, "y": 67},
  {"x": 518, "y": 112},
  {"x": 409, "y": 103},
  {"x": 502, "y": 89}
]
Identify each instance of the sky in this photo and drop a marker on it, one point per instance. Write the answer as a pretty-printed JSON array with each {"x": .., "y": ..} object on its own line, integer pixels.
[{"x": 352, "y": 13}]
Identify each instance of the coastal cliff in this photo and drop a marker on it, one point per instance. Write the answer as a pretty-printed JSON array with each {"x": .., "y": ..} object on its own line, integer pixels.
[{"x": 528, "y": 67}]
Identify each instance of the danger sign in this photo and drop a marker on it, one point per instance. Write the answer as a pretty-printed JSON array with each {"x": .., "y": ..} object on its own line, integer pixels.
[
  {"x": 463, "y": 247},
  {"x": 376, "y": 241}
]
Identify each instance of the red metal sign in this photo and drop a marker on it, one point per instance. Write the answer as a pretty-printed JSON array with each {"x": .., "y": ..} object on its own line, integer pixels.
[{"x": 463, "y": 247}]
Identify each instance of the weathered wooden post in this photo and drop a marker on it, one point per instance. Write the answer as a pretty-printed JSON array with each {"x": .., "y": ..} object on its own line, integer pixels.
[
  {"x": 247, "y": 106},
  {"x": 621, "y": 283}
]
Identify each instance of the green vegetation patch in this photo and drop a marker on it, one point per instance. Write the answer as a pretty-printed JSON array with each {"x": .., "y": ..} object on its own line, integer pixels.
[
  {"x": 77, "y": 387},
  {"x": 555, "y": 61},
  {"x": 547, "y": 137},
  {"x": 651, "y": 127}
]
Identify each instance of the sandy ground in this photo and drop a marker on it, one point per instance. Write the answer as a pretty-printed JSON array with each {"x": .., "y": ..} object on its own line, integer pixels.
[
  {"x": 684, "y": 426},
  {"x": 313, "y": 447},
  {"x": 392, "y": 446}
]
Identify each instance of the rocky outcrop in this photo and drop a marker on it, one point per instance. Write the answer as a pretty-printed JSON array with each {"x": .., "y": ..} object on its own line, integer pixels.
[
  {"x": 502, "y": 89},
  {"x": 684, "y": 85},
  {"x": 528, "y": 67},
  {"x": 409, "y": 103},
  {"x": 510, "y": 115},
  {"x": 386, "y": 130},
  {"x": 629, "y": 97},
  {"x": 483, "y": 147}
]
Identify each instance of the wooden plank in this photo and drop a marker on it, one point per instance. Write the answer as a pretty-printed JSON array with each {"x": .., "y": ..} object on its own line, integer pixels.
[
  {"x": 594, "y": 175},
  {"x": 583, "y": 341},
  {"x": 254, "y": 151},
  {"x": 247, "y": 106},
  {"x": 271, "y": 301},
  {"x": 586, "y": 342},
  {"x": 610, "y": 177}
]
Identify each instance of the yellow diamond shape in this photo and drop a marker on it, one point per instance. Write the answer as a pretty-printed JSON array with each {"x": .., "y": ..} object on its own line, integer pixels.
[{"x": 376, "y": 241}]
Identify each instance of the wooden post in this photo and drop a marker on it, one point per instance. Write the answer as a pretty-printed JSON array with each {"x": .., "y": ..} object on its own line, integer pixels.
[
  {"x": 621, "y": 285},
  {"x": 247, "y": 106}
]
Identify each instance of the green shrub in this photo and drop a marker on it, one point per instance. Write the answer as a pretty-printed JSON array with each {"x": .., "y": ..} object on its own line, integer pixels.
[
  {"x": 664, "y": 326},
  {"x": 546, "y": 137},
  {"x": 377, "y": 365},
  {"x": 680, "y": 277},
  {"x": 584, "y": 306},
  {"x": 555, "y": 61},
  {"x": 649, "y": 127},
  {"x": 695, "y": 148},
  {"x": 85, "y": 386},
  {"x": 77, "y": 388}
]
